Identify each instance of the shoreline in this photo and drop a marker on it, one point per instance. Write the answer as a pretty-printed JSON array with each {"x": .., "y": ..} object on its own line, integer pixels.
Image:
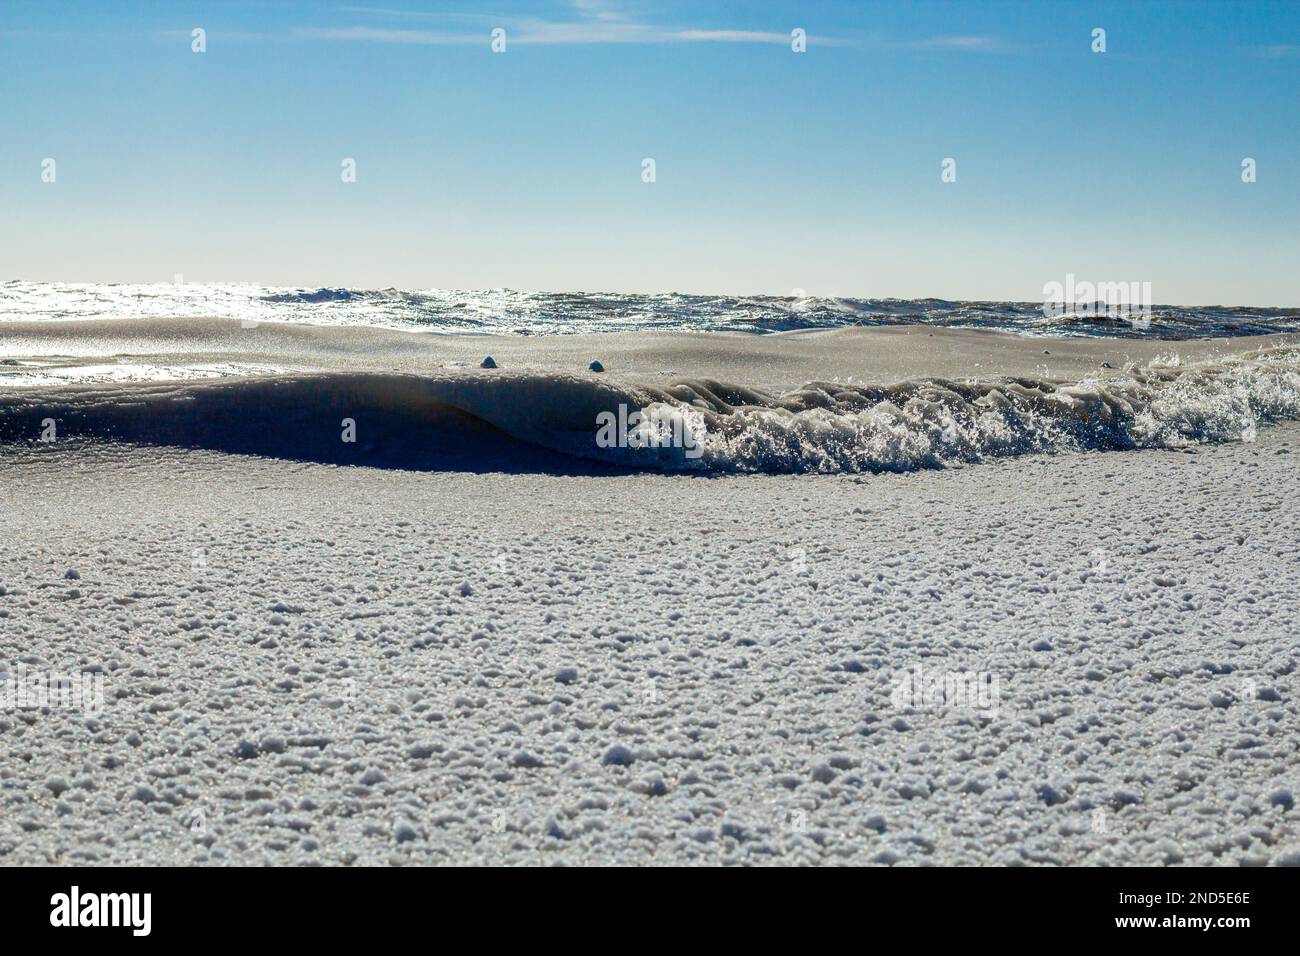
[
  {"x": 848, "y": 400},
  {"x": 778, "y": 361}
]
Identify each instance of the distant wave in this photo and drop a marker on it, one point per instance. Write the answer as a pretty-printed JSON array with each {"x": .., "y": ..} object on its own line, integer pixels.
[
  {"x": 503, "y": 311},
  {"x": 472, "y": 420},
  {"x": 320, "y": 295}
]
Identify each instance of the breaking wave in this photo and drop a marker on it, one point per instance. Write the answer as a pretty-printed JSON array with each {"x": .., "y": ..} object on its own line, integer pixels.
[
  {"x": 929, "y": 423},
  {"x": 468, "y": 419}
]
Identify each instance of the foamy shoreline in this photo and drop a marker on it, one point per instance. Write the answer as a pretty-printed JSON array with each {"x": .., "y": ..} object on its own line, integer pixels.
[
  {"x": 779, "y": 361},
  {"x": 309, "y": 664}
]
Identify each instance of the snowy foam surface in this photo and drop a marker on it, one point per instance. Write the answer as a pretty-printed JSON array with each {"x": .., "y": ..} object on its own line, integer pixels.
[
  {"x": 304, "y": 663},
  {"x": 490, "y": 647}
]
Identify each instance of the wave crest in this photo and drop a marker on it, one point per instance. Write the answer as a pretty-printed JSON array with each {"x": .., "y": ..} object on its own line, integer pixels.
[{"x": 834, "y": 427}]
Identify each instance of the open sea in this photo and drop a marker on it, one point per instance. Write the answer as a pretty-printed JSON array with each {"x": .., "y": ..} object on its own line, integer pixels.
[{"x": 503, "y": 311}]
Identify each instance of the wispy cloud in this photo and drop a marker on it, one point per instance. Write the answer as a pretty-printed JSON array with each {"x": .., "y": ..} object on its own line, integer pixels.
[
  {"x": 594, "y": 21},
  {"x": 1276, "y": 51},
  {"x": 733, "y": 36},
  {"x": 601, "y": 22},
  {"x": 415, "y": 14},
  {"x": 543, "y": 32},
  {"x": 973, "y": 43},
  {"x": 381, "y": 35},
  {"x": 599, "y": 10}
]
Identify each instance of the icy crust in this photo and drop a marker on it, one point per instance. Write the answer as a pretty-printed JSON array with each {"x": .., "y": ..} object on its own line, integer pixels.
[{"x": 698, "y": 424}]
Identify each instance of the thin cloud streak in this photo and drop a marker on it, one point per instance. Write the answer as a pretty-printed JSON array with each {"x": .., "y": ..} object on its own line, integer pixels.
[
  {"x": 419, "y": 14},
  {"x": 595, "y": 22},
  {"x": 974, "y": 44},
  {"x": 381, "y": 35},
  {"x": 1276, "y": 51},
  {"x": 548, "y": 33}
]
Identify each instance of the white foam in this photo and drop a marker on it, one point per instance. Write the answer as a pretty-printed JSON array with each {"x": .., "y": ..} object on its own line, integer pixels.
[{"x": 826, "y": 427}]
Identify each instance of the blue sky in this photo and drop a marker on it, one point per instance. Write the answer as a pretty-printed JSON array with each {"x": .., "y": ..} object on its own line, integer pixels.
[{"x": 775, "y": 170}]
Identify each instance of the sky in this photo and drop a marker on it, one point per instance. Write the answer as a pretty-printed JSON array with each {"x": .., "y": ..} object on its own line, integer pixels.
[{"x": 774, "y": 170}]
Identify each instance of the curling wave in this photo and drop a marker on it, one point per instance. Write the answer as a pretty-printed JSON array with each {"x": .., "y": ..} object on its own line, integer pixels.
[{"x": 469, "y": 419}]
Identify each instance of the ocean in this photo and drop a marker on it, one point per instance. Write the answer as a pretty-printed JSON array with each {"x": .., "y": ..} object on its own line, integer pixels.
[{"x": 504, "y": 311}]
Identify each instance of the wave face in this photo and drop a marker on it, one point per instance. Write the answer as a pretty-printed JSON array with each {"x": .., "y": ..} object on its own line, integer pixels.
[
  {"x": 464, "y": 420},
  {"x": 503, "y": 311}
]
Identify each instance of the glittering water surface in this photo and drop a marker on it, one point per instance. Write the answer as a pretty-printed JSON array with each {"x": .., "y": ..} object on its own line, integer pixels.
[{"x": 503, "y": 311}]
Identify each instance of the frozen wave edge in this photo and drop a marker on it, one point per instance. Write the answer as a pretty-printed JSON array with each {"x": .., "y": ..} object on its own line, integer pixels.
[{"x": 705, "y": 425}]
